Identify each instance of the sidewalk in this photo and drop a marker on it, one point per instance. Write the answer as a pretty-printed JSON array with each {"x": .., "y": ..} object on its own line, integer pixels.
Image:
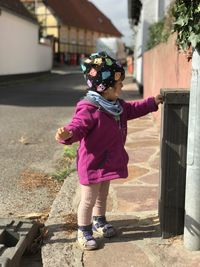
[{"x": 132, "y": 209}]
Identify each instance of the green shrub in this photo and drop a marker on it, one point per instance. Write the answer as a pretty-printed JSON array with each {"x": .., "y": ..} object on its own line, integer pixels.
[
  {"x": 160, "y": 31},
  {"x": 157, "y": 34}
]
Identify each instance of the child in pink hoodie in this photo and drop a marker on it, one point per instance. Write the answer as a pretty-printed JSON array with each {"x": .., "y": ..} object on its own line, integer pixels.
[{"x": 100, "y": 125}]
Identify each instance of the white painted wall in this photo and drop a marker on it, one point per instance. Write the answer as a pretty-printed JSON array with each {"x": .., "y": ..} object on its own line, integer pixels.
[
  {"x": 162, "y": 7},
  {"x": 149, "y": 15},
  {"x": 152, "y": 11},
  {"x": 20, "y": 51}
]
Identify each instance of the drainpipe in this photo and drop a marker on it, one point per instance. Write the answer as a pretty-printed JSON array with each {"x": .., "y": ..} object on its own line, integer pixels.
[{"x": 192, "y": 197}]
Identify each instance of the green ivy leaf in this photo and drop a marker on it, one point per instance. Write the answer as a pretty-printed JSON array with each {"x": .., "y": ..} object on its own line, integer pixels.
[
  {"x": 187, "y": 23},
  {"x": 197, "y": 27},
  {"x": 180, "y": 22},
  {"x": 194, "y": 39}
]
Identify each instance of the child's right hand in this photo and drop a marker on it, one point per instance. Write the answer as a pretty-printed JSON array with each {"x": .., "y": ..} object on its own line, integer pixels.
[
  {"x": 63, "y": 134},
  {"x": 159, "y": 99}
]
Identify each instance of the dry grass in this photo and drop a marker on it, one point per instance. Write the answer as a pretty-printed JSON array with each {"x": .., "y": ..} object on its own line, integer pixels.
[{"x": 31, "y": 180}]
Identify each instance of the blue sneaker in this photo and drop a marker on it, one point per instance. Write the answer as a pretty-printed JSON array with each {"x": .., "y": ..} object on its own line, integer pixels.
[
  {"x": 102, "y": 227},
  {"x": 85, "y": 238}
]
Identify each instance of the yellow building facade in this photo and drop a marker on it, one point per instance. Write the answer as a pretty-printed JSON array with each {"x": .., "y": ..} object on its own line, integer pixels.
[
  {"x": 68, "y": 41},
  {"x": 71, "y": 39}
]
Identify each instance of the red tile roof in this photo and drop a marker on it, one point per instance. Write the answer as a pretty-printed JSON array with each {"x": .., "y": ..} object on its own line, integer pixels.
[
  {"x": 82, "y": 14},
  {"x": 18, "y": 8}
]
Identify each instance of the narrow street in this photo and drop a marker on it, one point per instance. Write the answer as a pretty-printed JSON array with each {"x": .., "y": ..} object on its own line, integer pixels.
[{"x": 30, "y": 113}]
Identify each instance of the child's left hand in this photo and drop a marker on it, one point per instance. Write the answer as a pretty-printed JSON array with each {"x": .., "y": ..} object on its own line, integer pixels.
[
  {"x": 159, "y": 99},
  {"x": 63, "y": 134}
]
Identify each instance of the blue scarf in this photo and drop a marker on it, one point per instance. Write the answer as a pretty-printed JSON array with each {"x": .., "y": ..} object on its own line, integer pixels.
[{"x": 112, "y": 107}]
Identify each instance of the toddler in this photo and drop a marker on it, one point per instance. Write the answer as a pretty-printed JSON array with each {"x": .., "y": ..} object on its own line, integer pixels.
[{"x": 100, "y": 125}]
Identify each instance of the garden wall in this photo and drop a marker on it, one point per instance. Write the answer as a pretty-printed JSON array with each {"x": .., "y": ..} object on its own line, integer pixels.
[{"x": 165, "y": 67}]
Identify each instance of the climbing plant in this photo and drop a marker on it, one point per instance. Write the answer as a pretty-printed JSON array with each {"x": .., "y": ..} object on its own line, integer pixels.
[
  {"x": 187, "y": 23},
  {"x": 160, "y": 31},
  {"x": 182, "y": 17},
  {"x": 157, "y": 34}
]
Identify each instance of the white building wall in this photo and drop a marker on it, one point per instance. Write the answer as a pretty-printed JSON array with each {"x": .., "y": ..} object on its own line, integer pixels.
[
  {"x": 20, "y": 51},
  {"x": 162, "y": 7},
  {"x": 152, "y": 11},
  {"x": 149, "y": 15},
  {"x": 167, "y": 3}
]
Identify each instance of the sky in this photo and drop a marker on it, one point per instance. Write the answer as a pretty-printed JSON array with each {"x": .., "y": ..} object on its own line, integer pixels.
[{"x": 117, "y": 12}]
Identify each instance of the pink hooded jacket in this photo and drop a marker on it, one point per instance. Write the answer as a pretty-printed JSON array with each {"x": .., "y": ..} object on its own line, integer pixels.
[{"x": 101, "y": 155}]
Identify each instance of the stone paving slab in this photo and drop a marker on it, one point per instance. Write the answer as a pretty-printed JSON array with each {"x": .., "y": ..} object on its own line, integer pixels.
[
  {"x": 129, "y": 198},
  {"x": 138, "y": 244},
  {"x": 150, "y": 179},
  {"x": 134, "y": 173},
  {"x": 118, "y": 255},
  {"x": 140, "y": 155},
  {"x": 122, "y": 250}
]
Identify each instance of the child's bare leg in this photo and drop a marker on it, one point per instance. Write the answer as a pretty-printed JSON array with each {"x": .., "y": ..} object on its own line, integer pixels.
[
  {"x": 85, "y": 234},
  {"x": 89, "y": 195},
  {"x": 100, "y": 204},
  {"x": 100, "y": 224}
]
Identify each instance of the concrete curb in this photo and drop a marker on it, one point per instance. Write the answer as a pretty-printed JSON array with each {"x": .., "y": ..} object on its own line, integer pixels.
[{"x": 59, "y": 248}]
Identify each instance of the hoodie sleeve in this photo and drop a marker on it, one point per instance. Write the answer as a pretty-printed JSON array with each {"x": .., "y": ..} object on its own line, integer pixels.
[
  {"x": 80, "y": 125},
  {"x": 138, "y": 109}
]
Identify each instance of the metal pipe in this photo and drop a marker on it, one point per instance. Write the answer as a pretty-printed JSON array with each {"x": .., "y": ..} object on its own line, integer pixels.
[{"x": 192, "y": 197}]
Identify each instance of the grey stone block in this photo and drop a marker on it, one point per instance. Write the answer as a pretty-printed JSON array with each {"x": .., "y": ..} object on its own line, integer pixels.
[{"x": 15, "y": 237}]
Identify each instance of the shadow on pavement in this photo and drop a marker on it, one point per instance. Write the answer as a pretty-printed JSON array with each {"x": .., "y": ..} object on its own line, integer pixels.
[
  {"x": 53, "y": 233},
  {"x": 132, "y": 230},
  {"x": 31, "y": 260},
  {"x": 127, "y": 230},
  {"x": 54, "y": 90}
]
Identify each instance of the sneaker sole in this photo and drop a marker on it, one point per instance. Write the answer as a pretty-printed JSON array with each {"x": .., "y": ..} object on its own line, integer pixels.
[{"x": 85, "y": 248}]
